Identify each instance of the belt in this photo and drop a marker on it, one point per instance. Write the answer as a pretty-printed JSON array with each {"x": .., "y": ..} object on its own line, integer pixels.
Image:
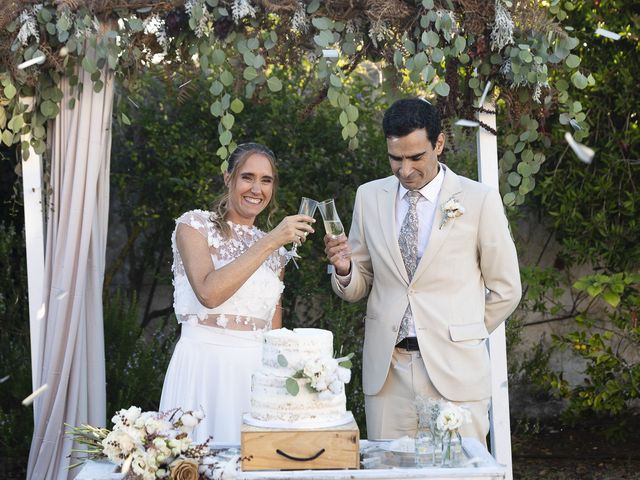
[{"x": 409, "y": 343}]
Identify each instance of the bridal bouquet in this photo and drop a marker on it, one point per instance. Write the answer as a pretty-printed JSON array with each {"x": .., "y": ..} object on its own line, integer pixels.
[
  {"x": 153, "y": 445},
  {"x": 326, "y": 376}
]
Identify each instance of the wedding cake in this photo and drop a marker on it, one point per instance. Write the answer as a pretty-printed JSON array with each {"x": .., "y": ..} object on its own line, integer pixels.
[{"x": 299, "y": 381}]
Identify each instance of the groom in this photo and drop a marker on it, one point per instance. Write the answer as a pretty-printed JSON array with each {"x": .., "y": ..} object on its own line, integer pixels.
[{"x": 433, "y": 252}]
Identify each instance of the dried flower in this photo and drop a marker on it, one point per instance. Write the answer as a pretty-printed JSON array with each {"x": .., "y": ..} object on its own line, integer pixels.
[
  {"x": 184, "y": 469},
  {"x": 502, "y": 33}
]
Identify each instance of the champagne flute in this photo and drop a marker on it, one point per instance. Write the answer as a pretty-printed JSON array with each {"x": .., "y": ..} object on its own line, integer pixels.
[
  {"x": 332, "y": 224},
  {"x": 307, "y": 207}
]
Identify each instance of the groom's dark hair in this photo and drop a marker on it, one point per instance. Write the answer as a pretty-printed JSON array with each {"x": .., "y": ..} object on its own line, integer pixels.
[{"x": 409, "y": 114}]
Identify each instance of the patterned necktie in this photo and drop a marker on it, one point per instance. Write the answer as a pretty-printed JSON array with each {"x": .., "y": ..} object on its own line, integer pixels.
[{"x": 408, "y": 242}]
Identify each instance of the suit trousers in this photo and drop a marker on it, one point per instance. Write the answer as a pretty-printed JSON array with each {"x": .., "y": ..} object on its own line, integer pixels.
[{"x": 392, "y": 413}]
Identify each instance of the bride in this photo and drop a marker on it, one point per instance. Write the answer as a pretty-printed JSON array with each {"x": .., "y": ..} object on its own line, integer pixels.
[{"x": 227, "y": 286}]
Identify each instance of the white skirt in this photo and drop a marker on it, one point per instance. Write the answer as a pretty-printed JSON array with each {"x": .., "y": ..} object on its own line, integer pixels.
[{"x": 211, "y": 369}]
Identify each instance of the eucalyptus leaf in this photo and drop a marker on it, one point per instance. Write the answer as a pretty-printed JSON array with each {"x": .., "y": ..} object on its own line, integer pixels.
[
  {"x": 442, "y": 88},
  {"x": 225, "y": 137},
  {"x": 216, "y": 88},
  {"x": 89, "y": 64},
  {"x": 579, "y": 80},
  {"x": 282, "y": 360},
  {"x": 514, "y": 179},
  {"x": 216, "y": 109},
  {"x": 218, "y": 56},
  {"x": 7, "y": 138},
  {"x": 228, "y": 120},
  {"x": 249, "y": 73},
  {"x": 313, "y": 6},
  {"x": 253, "y": 43},
  {"x": 10, "y": 91},
  {"x": 292, "y": 386},
  {"x": 236, "y": 106},
  {"x": 572, "y": 61},
  {"x": 226, "y": 77},
  {"x": 322, "y": 23},
  {"x": 352, "y": 113},
  {"x": 509, "y": 199},
  {"x": 274, "y": 84}
]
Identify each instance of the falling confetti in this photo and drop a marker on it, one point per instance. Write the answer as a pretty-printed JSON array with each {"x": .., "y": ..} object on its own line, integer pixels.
[
  {"x": 467, "y": 123},
  {"x": 584, "y": 153},
  {"x": 36, "y": 60},
  {"x": 39, "y": 391},
  {"x": 602, "y": 32}
]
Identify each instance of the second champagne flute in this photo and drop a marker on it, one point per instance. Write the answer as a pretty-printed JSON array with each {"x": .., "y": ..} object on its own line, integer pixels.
[{"x": 332, "y": 224}]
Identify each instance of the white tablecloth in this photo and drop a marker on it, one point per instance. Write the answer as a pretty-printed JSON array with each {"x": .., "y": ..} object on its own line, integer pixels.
[{"x": 484, "y": 468}]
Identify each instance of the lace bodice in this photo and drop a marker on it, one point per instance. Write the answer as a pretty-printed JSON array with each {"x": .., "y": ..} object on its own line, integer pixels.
[{"x": 253, "y": 305}]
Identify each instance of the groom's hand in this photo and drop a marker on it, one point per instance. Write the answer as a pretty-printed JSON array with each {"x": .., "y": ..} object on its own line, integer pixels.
[{"x": 339, "y": 254}]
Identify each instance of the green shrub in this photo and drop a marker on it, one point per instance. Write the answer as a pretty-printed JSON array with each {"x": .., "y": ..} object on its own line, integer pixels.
[
  {"x": 16, "y": 421},
  {"x": 135, "y": 362}
]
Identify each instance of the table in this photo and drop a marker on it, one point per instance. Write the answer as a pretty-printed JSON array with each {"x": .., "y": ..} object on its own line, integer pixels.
[{"x": 484, "y": 467}]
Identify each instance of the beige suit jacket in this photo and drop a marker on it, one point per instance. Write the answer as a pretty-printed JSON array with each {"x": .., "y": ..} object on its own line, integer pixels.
[{"x": 465, "y": 285}]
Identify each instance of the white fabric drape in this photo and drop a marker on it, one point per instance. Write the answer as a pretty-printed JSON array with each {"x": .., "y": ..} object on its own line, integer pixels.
[{"x": 73, "y": 364}]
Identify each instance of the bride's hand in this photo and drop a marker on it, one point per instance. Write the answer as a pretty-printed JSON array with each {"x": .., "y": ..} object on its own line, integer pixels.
[{"x": 292, "y": 229}]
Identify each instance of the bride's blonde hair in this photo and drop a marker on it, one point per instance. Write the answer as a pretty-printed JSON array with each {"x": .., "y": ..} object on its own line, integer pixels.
[{"x": 220, "y": 206}]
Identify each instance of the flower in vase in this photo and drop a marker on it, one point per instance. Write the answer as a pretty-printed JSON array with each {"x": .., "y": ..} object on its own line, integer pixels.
[{"x": 452, "y": 417}]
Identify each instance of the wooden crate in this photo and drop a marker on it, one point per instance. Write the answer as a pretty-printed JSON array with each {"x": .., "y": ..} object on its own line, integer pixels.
[{"x": 282, "y": 449}]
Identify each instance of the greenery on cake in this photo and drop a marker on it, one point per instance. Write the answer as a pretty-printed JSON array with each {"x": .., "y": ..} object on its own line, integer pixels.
[{"x": 325, "y": 376}]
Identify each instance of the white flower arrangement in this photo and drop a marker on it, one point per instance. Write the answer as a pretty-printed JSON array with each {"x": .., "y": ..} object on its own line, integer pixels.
[
  {"x": 441, "y": 416},
  {"x": 452, "y": 208},
  {"x": 154, "y": 445},
  {"x": 443, "y": 419},
  {"x": 325, "y": 376}
]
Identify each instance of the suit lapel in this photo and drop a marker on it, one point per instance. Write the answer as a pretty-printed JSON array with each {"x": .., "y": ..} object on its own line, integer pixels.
[
  {"x": 387, "y": 219},
  {"x": 450, "y": 187}
]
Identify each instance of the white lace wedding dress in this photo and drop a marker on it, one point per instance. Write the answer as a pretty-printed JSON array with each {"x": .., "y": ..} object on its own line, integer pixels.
[{"x": 219, "y": 348}]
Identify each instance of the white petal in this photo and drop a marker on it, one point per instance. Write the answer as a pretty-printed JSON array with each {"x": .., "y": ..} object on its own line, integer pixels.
[
  {"x": 467, "y": 123},
  {"x": 602, "y": 32},
  {"x": 584, "y": 153}
]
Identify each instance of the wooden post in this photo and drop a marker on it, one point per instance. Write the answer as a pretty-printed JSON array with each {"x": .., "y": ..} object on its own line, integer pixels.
[
  {"x": 34, "y": 242},
  {"x": 499, "y": 412}
]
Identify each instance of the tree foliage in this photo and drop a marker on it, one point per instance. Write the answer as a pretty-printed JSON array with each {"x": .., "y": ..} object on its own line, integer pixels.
[
  {"x": 446, "y": 49},
  {"x": 592, "y": 211}
]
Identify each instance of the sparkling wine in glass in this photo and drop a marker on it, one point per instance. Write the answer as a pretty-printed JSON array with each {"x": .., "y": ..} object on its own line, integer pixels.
[{"x": 332, "y": 224}]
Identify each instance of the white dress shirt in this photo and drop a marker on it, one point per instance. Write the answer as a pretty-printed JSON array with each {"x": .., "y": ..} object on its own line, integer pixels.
[{"x": 426, "y": 207}]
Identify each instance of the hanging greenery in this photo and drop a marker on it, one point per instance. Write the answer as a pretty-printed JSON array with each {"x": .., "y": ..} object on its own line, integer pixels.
[{"x": 447, "y": 50}]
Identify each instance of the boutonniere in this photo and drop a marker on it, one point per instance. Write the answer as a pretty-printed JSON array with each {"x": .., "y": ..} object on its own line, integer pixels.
[{"x": 452, "y": 208}]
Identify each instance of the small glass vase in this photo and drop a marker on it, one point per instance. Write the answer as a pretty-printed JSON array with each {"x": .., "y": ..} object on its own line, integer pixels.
[
  {"x": 425, "y": 448},
  {"x": 452, "y": 454}
]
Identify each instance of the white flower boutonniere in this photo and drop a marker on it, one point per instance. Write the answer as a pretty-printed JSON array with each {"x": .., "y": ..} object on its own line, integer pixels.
[{"x": 452, "y": 208}]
